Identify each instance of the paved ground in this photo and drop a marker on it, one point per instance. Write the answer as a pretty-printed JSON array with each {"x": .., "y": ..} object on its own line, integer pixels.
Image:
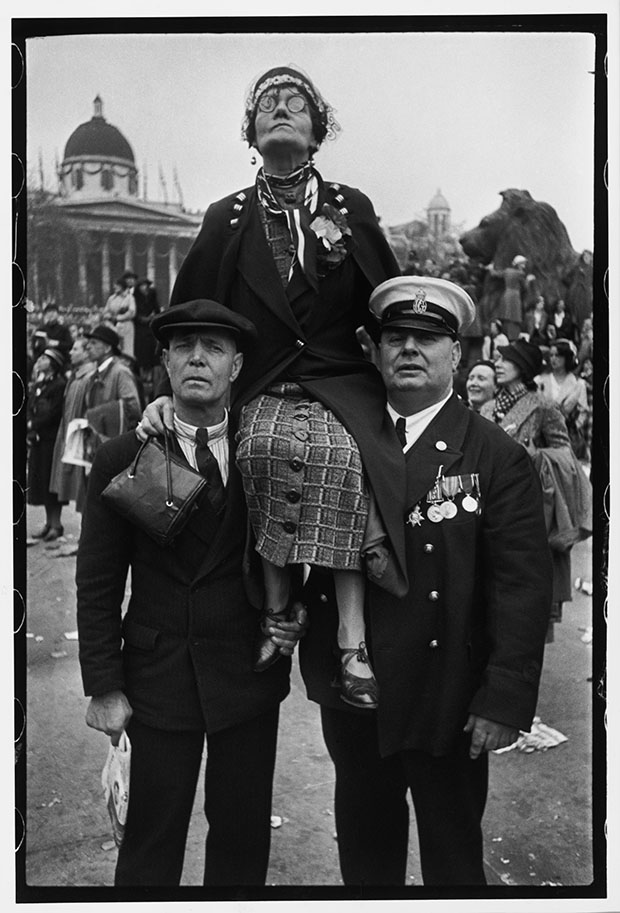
[{"x": 538, "y": 825}]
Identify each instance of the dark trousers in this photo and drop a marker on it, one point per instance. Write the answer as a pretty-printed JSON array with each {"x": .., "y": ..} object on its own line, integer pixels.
[
  {"x": 371, "y": 810},
  {"x": 238, "y": 790}
]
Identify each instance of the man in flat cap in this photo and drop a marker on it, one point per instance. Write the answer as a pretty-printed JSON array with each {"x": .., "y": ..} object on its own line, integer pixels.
[
  {"x": 458, "y": 659},
  {"x": 178, "y": 665}
]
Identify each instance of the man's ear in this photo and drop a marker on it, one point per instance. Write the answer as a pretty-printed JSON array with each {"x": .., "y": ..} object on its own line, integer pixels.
[
  {"x": 165, "y": 355},
  {"x": 456, "y": 354},
  {"x": 237, "y": 364}
]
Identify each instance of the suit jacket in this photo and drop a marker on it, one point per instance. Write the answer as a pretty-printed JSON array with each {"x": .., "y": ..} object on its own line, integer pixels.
[
  {"x": 469, "y": 635},
  {"x": 182, "y": 653},
  {"x": 306, "y": 335}
]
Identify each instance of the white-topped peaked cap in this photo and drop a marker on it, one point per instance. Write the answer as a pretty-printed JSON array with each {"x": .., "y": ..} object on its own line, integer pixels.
[{"x": 422, "y": 303}]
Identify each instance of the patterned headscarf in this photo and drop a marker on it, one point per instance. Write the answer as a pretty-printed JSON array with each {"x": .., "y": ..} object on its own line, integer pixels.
[{"x": 325, "y": 125}]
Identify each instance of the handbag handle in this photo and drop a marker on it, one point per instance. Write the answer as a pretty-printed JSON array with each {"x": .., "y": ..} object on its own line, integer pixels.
[{"x": 132, "y": 469}]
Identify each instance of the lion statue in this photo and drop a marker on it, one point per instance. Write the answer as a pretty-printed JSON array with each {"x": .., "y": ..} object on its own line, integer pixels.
[{"x": 527, "y": 227}]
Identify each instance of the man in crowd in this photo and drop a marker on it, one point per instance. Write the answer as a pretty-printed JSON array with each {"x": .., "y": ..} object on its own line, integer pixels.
[
  {"x": 179, "y": 665},
  {"x": 112, "y": 397},
  {"x": 458, "y": 659}
]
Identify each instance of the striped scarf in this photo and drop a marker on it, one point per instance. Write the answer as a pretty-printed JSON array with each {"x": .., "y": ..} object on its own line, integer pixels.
[
  {"x": 506, "y": 399},
  {"x": 298, "y": 219}
]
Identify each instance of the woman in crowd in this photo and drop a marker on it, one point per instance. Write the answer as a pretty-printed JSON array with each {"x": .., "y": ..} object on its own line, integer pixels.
[
  {"x": 495, "y": 338},
  {"x": 299, "y": 257},
  {"x": 44, "y": 412},
  {"x": 562, "y": 386},
  {"x": 67, "y": 480},
  {"x": 119, "y": 312},
  {"x": 538, "y": 424},
  {"x": 561, "y": 324},
  {"x": 535, "y": 324},
  {"x": 480, "y": 384}
]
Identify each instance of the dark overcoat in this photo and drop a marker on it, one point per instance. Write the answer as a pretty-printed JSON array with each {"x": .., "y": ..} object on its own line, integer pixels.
[
  {"x": 183, "y": 652},
  {"x": 306, "y": 334},
  {"x": 44, "y": 413},
  {"x": 469, "y": 635}
]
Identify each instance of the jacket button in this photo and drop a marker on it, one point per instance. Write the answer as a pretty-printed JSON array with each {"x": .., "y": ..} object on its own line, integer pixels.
[
  {"x": 293, "y": 496},
  {"x": 433, "y": 595},
  {"x": 323, "y": 597},
  {"x": 299, "y": 343},
  {"x": 295, "y": 464},
  {"x": 289, "y": 527},
  {"x": 428, "y": 548},
  {"x": 434, "y": 644}
]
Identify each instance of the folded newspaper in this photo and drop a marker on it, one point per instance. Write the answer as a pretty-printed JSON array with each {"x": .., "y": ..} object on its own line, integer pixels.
[
  {"x": 115, "y": 782},
  {"x": 540, "y": 738}
]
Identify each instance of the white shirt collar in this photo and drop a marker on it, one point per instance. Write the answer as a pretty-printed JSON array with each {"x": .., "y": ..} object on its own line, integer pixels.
[
  {"x": 187, "y": 432},
  {"x": 416, "y": 423},
  {"x": 105, "y": 364}
]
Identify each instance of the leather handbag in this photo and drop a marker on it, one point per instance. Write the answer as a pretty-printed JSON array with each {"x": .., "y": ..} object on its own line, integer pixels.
[{"x": 158, "y": 492}]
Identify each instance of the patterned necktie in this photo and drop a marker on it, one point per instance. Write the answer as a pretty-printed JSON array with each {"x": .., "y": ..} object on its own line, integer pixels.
[
  {"x": 401, "y": 432},
  {"x": 208, "y": 467}
]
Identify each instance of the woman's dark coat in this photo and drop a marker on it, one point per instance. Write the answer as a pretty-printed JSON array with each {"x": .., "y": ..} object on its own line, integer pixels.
[{"x": 306, "y": 335}]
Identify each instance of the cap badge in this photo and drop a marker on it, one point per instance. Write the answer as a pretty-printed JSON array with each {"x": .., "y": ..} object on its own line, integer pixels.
[{"x": 419, "y": 305}]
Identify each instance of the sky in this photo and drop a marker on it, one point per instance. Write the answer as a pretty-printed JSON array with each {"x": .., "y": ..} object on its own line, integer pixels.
[{"x": 469, "y": 113}]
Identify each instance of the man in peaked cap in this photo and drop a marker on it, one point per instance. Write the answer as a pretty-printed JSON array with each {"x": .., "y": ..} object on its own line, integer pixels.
[
  {"x": 458, "y": 659},
  {"x": 179, "y": 665}
]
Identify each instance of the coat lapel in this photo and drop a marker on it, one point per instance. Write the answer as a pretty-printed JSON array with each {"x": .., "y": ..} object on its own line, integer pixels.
[
  {"x": 520, "y": 412},
  {"x": 436, "y": 450}
]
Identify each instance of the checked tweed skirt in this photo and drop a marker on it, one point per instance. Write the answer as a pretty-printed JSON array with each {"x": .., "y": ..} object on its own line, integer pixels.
[{"x": 303, "y": 480}]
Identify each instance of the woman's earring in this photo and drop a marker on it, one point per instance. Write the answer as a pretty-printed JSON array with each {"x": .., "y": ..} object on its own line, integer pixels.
[{"x": 253, "y": 159}]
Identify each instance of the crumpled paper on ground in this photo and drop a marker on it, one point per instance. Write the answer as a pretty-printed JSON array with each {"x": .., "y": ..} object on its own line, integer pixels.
[{"x": 540, "y": 738}]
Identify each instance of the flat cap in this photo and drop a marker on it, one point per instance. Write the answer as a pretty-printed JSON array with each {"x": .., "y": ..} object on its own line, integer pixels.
[
  {"x": 422, "y": 303},
  {"x": 201, "y": 313}
]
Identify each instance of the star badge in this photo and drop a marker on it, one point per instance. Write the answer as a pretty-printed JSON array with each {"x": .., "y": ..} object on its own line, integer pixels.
[{"x": 415, "y": 517}]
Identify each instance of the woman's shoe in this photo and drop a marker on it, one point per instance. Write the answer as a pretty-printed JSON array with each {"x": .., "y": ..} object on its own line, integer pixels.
[
  {"x": 354, "y": 690},
  {"x": 54, "y": 532},
  {"x": 266, "y": 653},
  {"x": 42, "y": 532}
]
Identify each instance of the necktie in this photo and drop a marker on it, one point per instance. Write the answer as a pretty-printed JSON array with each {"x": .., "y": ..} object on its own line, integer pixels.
[
  {"x": 400, "y": 432},
  {"x": 208, "y": 467}
]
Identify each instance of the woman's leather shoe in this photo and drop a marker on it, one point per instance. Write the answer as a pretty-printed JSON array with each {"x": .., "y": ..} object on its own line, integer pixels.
[
  {"x": 54, "y": 532},
  {"x": 354, "y": 690},
  {"x": 266, "y": 653}
]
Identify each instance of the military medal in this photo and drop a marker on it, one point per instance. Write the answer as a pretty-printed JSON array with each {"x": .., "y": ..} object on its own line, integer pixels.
[
  {"x": 415, "y": 517},
  {"x": 434, "y": 513},
  {"x": 450, "y": 486},
  {"x": 470, "y": 484},
  {"x": 435, "y": 498}
]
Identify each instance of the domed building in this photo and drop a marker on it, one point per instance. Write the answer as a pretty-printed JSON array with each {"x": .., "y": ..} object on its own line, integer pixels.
[
  {"x": 107, "y": 227},
  {"x": 438, "y": 215}
]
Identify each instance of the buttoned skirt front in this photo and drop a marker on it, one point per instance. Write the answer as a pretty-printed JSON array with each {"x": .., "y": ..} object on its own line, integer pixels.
[{"x": 303, "y": 479}]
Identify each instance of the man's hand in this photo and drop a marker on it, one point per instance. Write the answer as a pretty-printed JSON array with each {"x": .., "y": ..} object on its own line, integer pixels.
[
  {"x": 155, "y": 416},
  {"x": 488, "y": 735},
  {"x": 109, "y": 713},
  {"x": 286, "y": 634}
]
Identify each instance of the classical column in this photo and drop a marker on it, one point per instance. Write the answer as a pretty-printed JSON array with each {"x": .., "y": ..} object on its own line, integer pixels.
[
  {"x": 150, "y": 260},
  {"x": 173, "y": 263},
  {"x": 129, "y": 252},
  {"x": 82, "y": 272},
  {"x": 105, "y": 268}
]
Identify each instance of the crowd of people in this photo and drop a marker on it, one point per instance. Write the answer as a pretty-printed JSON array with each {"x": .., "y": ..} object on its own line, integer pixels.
[{"x": 399, "y": 507}]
